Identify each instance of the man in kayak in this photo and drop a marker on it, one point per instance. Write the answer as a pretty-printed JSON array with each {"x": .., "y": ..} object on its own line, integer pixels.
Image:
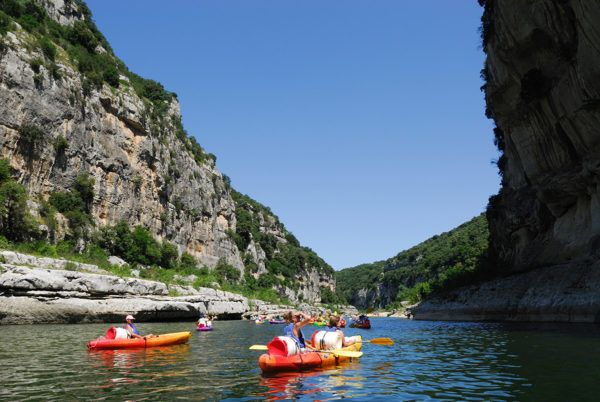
[
  {"x": 294, "y": 323},
  {"x": 132, "y": 331}
]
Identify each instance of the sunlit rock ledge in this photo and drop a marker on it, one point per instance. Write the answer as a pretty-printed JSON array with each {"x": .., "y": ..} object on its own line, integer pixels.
[
  {"x": 29, "y": 294},
  {"x": 40, "y": 290}
]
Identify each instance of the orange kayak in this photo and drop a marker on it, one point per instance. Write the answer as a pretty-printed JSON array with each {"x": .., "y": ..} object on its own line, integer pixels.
[
  {"x": 175, "y": 338},
  {"x": 304, "y": 361}
]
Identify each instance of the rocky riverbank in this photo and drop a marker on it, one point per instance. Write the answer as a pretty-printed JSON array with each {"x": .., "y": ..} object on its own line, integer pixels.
[
  {"x": 564, "y": 293},
  {"x": 47, "y": 290}
]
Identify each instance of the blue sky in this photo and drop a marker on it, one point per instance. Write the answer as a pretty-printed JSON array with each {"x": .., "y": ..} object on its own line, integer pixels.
[{"x": 360, "y": 123}]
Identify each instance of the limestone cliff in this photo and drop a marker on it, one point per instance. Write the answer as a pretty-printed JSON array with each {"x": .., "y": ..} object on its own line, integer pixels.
[
  {"x": 542, "y": 90},
  {"x": 91, "y": 114}
]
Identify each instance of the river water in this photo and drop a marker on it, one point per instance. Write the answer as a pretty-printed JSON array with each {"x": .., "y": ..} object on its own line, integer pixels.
[{"x": 430, "y": 360}]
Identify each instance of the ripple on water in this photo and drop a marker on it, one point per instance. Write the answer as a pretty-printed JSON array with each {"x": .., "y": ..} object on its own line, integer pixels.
[{"x": 430, "y": 360}]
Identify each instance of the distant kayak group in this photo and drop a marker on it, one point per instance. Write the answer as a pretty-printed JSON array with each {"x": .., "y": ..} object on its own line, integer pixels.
[
  {"x": 319, "y": 321},
  {"x": 291, "y": 351}
]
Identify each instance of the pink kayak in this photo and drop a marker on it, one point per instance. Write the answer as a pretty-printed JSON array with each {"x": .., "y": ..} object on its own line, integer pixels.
[
  {"x": 204, "y": 328},
  {"x": 276, "y": 322}
]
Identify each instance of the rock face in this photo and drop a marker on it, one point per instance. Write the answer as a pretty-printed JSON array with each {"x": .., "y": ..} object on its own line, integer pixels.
[
  {"x": 146, "y": 170},
  {"x": 543, "y": 92},
  {"x": 35, "y": 295},
  {"x": 143, "y": 173},
  {"x": 559, "y": 293}
]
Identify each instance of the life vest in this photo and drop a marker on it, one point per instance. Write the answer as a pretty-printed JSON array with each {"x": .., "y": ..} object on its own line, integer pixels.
[
  {"x": 288, "y": 330},
  {"x": 328, "y": 340},
  {"x": 134, "y": 330}
]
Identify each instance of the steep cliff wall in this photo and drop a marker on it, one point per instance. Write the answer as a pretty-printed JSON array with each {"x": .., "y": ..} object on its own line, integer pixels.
[
  {"x": 143, "y": 173},
  {"x": 69, "y": 106},
  {"x": 542, "y": 89},
  {"x": 543, "y": 92}
]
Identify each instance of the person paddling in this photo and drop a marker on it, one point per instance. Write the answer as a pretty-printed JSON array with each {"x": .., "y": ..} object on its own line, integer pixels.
[
  {"x": 131, "y": 329},
  {"x": 295, "y": 322}
]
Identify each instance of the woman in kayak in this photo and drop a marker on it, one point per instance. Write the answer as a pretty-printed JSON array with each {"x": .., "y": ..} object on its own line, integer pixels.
[
  {"x": 295, "y": 322},
  {"x": 132, "y": 331},
  {"x": 334, "y": 326}
]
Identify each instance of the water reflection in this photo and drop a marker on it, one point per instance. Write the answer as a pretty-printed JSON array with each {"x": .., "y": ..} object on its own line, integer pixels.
[
  {"x": 288, "y": 385},
  {"x": 341, "y": 382},
  {"x": 430, "y": 360},
  {"x": 129, "y": 366}
]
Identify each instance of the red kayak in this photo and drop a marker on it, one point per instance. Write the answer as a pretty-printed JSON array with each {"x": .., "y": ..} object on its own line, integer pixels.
[
  {"x": 175, "y": 338},
  {"x": 270, "y": 363}
]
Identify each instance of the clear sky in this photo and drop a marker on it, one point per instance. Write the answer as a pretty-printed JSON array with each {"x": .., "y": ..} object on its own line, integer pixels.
[{"x": 360, "y": 123}]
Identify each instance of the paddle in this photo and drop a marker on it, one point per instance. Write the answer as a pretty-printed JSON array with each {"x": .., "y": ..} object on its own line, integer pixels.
[
  {"x": 343, "y": 353},
  {"x": 380, "y": 341}
]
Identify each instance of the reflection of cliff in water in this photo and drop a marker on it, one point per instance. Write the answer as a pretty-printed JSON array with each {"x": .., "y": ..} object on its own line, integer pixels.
[
  {"x": 128, "y": 366},
  {"x": 554, "y": 360}
]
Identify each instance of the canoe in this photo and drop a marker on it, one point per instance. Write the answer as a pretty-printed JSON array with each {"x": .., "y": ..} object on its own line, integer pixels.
[
  {"x": 303, "y": 361},
  {"x": 204, "y": 328},
  {"x": 361, "y": 324},
  {"x": 276, "y": 322},
  {"x": 175, "y": 338}
]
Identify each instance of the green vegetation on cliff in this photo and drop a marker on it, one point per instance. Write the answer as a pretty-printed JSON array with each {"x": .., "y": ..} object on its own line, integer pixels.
[
  {"x": 66, "y": 226},
  {"x": 284, "y": 256},
  {"x": 444, "y": 261},
  {"x": 16, "y": 223},
  {"x": 88, "y": 52}
]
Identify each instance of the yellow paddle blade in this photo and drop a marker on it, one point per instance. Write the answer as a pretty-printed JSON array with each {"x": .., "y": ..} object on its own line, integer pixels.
[
  {"x": 343, "y": 353},
  {"x": 381, "y": 341},
  {"x": 258, "y": 347},
  {"x": 348, "y": 353}
]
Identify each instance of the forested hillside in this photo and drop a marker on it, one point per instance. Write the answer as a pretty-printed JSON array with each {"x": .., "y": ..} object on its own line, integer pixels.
[{"x": 441, "y": 262}]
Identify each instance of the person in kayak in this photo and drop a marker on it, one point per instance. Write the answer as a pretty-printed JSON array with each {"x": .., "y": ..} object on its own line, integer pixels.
[
  {"x": 294, "y": 323},
  {"x": 334, "y": 325},
  {"x": 131, "y": 329},
  {"x": 202, "y": 321}
]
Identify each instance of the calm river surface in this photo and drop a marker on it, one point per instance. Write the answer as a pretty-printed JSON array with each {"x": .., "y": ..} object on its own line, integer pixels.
[{"x": 430, "y": 360}]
